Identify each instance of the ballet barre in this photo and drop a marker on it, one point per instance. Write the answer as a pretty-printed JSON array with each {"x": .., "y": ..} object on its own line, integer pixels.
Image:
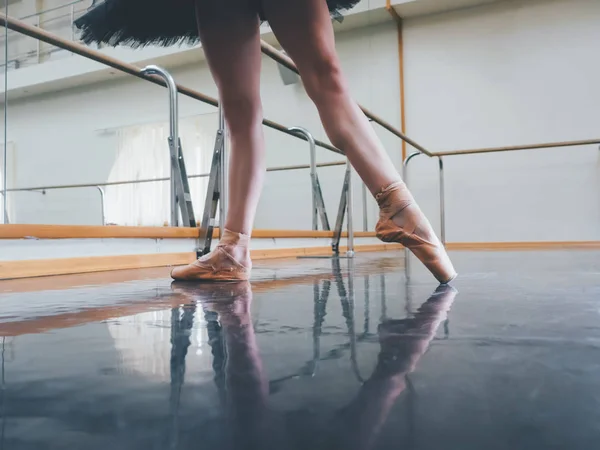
[
  {"x": 100, "y": 186},
  {"x": 130, "y": 69}
]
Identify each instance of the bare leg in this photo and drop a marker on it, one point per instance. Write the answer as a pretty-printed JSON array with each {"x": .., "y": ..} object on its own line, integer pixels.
[
  {"x": 304, "y": 29},
  {"x": 229, "y": 31}
]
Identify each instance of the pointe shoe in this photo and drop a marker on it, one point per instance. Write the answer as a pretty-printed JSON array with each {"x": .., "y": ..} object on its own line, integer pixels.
[
  {"x": 218, "y": 265},
  {"x": 416, "y": 233}
]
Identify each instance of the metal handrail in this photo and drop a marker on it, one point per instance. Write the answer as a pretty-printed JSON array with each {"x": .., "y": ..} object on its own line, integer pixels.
[
  {"x": 131, "y": 69},
  {"x": 101, "y": 186},
  {"x": 155, "y": 180}
]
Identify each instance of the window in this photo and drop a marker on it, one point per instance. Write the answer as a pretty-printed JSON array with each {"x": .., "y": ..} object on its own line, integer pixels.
[{"x": 143, "y": 153}]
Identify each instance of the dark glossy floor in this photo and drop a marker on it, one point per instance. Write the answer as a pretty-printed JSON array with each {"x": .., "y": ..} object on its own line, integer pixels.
[{"x": 316, "y": 354}]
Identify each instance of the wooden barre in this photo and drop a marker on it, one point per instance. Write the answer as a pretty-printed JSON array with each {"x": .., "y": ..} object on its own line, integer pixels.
[
  {"x": 517, "y": 147},
  {"x": 33, "y": 231}
]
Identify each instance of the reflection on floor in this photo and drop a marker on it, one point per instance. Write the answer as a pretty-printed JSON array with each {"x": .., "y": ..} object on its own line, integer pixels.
[{"x": 315, "y": 354}]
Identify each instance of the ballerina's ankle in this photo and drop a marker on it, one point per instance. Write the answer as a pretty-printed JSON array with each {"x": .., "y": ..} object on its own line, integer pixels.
[{"x": 233, "y": 239}]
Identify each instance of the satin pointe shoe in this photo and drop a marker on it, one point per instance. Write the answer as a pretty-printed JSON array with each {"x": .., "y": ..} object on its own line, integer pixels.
[
  {"x": 218, "y": 265},
  {"x": 397, "y": 206}
]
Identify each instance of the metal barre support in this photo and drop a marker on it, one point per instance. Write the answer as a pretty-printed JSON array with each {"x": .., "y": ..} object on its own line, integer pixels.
[
  {"x": 442, "y": 203},
  {"x": 405, "y": 174},
  {"x": 173, "y": 130},
  {"x": 318, "y": 204},
  {"x": 405, "y": 165},
  {"x": 181, "y": 197},
  {"x": 313, "y": 172},
  {"x": 364, "y": 207},
  {"x": 345, "y": 208},
  {"x": 156, "y": 180},
  {"x": 4, "y": 211},
  {"x": 350, "y": 208},
  {"x": 103, "y": 203}
]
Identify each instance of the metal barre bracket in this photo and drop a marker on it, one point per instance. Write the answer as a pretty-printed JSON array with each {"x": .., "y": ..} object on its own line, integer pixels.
[
  {"x": 405, "y": 176},
  {"x": 318, "y": 204},
  {"x": 345, "y": 206},
  {"x": 180, "y": 189},
  {"x": 213, "y": 193}
]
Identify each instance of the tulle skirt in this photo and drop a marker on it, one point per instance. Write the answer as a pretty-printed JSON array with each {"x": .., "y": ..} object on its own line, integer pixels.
[{"x": 139, "y": 23}]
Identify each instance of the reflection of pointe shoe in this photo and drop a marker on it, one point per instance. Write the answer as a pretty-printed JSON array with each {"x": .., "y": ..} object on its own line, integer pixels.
[
  {"x": 404, "y": 341},
  {"x": 220, "y": 264},
  {"x": 231, "y": 301},
  {"x": 209, "y": 292},
  {"x": 415, "y": 233}
]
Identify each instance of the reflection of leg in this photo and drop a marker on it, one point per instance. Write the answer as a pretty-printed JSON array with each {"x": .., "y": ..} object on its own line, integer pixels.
[
  {"x": 246, "y": 384},
  {"x": 403, "y": 342},
  {"x": 237, "y": 363}
]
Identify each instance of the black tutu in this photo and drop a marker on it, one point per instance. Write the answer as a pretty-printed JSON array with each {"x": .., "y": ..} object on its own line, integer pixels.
[{"x": 139, "y": 23}]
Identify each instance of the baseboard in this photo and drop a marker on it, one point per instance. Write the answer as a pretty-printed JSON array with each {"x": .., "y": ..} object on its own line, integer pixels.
[
  {"x": 68, "y": 266},
  {"x": 523, "y": 246}
]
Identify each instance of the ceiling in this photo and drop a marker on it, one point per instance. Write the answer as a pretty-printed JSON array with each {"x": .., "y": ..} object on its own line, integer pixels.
[{"x": 411, "y": 8}]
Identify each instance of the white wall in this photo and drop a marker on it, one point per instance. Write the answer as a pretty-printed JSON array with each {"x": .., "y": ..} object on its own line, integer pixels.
[{"x": 510, "y": 73}]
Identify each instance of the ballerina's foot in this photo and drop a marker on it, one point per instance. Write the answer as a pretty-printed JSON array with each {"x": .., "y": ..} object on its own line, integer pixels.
[
  {"x": 229, "y": 261},
  {"x": 402, "y": 221}
]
